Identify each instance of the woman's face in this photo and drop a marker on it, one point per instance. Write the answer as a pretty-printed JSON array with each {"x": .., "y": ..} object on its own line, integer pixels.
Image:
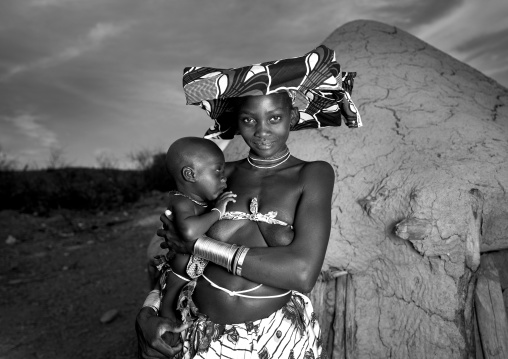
[{"x": 264, "y": 121}]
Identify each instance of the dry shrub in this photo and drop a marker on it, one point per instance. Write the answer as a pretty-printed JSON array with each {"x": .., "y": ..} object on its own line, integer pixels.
[{"x": 80, "y": 188}]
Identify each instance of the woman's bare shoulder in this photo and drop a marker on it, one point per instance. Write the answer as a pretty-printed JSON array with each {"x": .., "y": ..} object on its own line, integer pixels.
[
  {"x": 317, "y": 172},
  {"x": 317, "y": 167}
]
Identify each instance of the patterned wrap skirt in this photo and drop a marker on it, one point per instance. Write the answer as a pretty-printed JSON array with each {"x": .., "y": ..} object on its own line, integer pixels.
[{"x": 290, "y": 332}]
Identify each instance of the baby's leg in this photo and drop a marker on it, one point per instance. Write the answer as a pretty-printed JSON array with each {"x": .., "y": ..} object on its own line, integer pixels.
[
  {"x": 171, "y": 293},
  {"x": 168, "y": 310},
  {"x": 153, "y": 250}
]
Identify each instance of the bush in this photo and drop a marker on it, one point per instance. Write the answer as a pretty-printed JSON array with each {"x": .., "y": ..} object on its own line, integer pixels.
[
  {"x": 71, "y": 188},
  {"x": 80, "y": 188}
]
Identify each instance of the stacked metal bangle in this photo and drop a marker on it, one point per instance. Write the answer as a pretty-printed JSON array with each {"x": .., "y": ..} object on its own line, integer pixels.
[
  {"x": 229, "y": 256},
  {"x": 217, "y": 252}
]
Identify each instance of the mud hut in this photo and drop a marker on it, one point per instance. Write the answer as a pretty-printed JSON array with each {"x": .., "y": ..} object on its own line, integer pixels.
[{"x": 419, "y": 192}]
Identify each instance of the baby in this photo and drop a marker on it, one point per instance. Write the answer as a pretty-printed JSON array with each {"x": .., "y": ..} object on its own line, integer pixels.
[{"x": 197, "y": 167}]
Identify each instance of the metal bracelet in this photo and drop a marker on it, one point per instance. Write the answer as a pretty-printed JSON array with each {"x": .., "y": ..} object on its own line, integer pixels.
[
  {"x": 241, "y": 258},
  {"x": 237, "y": 256},
  {"x": 153, "y": 300},
  {"x": 218, "y": 210},
  {"x": 217, "y": 252}
]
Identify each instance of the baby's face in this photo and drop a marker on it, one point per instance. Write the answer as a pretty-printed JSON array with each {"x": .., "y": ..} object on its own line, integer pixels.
[{"x": 210, "y": 178}]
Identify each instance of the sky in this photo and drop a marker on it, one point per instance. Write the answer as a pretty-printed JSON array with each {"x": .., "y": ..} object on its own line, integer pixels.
[{"x": 90, "y": 79}]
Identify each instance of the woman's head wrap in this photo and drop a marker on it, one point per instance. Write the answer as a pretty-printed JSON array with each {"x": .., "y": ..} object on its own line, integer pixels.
[{"x": 314, "y": 81}]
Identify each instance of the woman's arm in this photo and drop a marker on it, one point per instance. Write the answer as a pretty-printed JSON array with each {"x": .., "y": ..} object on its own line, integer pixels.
[{"x": 297, "y": 265}]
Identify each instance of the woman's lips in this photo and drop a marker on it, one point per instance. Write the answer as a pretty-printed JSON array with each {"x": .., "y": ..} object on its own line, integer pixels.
[{"x": 262, "y": 144}]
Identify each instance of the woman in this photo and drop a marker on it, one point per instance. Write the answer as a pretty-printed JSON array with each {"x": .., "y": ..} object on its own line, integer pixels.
[{"x": 248, "y": 301}]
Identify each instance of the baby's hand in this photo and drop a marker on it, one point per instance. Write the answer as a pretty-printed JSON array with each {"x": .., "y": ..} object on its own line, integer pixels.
[{"x": 222, "y": 201}]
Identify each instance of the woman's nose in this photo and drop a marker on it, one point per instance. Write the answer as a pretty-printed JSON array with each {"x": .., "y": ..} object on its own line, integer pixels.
[{"x": 262, "y": 129}]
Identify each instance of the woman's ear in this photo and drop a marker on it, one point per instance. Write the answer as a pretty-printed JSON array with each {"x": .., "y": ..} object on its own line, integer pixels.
[
  {"x": 295, "y": 117},
  {"x": 188, "y": 174}
]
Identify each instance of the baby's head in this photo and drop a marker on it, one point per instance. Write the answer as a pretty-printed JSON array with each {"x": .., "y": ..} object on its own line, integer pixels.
[{"x": 197, "y": 167}]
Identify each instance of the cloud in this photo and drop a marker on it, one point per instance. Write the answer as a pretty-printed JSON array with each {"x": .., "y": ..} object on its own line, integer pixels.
[
  {"x": 406, "y": 14},
  {"x": 413, "y": 13},
  {"x": 485, "y": 45},
  {"x": 42, "y": 3},
  {"x": 474, "y": 33},
  {"x": 102, "y": 31},
  {"x": 31, "y": 126},
  {"x": 469, "y": 21},
  {"x": 94, "y": 38}
]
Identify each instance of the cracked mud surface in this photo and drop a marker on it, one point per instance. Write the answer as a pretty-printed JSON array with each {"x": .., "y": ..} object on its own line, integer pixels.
[{"x": 434, "y": 129}]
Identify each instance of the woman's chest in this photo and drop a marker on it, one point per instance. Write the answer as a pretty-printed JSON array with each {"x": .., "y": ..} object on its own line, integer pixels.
[
  {"x": 265, "y": 198},
  {"x": 265, "y": 194}
]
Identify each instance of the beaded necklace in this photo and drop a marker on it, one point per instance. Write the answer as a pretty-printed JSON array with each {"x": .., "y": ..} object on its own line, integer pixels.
[
  {"x": 178, "y": 193},
  {"x": 283, "y": 159},
  {"x": 255, "y": 158}
]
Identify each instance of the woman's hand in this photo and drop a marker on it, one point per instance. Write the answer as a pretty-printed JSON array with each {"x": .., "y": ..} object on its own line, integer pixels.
[
  {"x": 223, "y": 200},
  {"x": 172, "y": 240},
  {"x": 150, "y": 329}
]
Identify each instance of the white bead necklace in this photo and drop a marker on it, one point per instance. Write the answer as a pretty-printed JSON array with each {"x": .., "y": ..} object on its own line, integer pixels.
[
  {"x": 287, "y": 155},
  {"x": 270, "y": 159}
]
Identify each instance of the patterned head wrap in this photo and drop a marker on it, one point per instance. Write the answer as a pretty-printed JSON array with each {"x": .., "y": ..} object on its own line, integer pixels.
[{"x": 314, "y": 81}]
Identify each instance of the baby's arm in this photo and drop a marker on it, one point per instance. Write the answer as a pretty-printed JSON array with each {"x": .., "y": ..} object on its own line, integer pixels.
[{"x": 191, "y": 225}]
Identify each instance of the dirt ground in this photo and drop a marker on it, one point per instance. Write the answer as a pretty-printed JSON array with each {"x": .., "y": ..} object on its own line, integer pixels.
[{"x": 63, "y": 272}]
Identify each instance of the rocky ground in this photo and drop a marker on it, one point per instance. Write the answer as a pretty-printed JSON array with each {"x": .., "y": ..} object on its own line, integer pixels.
[{"x": 60, "y": 275}]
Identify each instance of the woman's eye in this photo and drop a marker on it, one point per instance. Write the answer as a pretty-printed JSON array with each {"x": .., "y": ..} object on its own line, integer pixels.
[
  {"x": 276, "y": 118},
  {"x": 247, "y": 120}
]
